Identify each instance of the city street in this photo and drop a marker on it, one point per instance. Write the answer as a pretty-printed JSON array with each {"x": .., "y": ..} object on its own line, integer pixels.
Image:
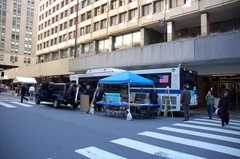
[{"x": 30, "y": 131}]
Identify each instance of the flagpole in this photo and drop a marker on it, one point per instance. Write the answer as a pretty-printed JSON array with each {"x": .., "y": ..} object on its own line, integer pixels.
[{"x": 76, "y": 31}]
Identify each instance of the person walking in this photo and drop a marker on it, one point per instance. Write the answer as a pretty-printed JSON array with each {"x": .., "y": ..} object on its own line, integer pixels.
[
  {"x": 225, "y": 107},
  {"x": 185, "y": 101},
  {"x": 90, "y": 93},
  {"x": 99, "y": 97},
  {"x": 153, "y": 96},
  {"x": 23, "y": 92},
  {"x": 210, "y": 103},
  {"x": 31, "y": 92}
]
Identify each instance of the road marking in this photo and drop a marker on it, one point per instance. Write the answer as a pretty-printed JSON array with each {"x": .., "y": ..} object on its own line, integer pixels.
[
  {"x": 96, "y": 153},
  {"x": 193, "y": 143},
  {"x": 154, "y": 150},
  {"x": 22, "y": 104},
  {"x": 217, "y": 121},
  {"x": 206, "y": 135},
  {"x": 208, "y": 128},
  {"x": 7, "y": 105},
  {"x": 234, "y": 120},
  {"x": 210, "y": 124}
]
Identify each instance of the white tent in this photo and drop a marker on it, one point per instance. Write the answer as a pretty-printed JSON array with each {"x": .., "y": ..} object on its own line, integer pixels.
[{"x": 26, "y": 80}]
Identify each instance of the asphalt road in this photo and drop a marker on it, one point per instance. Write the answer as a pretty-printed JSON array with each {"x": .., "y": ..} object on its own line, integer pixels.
[{"x": 30, "y": 131}]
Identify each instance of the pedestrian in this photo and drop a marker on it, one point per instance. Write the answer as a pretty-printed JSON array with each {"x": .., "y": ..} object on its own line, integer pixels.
[
  {"x": 99, "y": 97},
  {"x": 225, "y": 107},
  {"x": 23, "y": 92},
  {"x": 31, "y": 92},
  {"x": 71, "y": 93},
  {"x": 153, "y": 96},
  {"x": 210, "y": 103},
  {"x": 90, "y": 93},
  {"x": 185, "y": 101}
]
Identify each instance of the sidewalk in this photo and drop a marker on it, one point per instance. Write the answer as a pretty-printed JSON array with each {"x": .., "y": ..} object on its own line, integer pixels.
[{"x": 202, "y": 110}]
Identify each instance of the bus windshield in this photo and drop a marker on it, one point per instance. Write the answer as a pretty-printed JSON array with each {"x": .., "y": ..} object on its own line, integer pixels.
[{"x": 189, "y": 78}]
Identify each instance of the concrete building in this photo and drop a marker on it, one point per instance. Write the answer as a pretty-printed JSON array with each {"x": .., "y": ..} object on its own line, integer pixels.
[
  {"x": 129, "y": 34},
  {"x": 18, "y": 33}
]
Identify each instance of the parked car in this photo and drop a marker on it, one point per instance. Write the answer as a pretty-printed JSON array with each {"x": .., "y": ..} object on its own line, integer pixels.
[{"x": 57, "y": 93}]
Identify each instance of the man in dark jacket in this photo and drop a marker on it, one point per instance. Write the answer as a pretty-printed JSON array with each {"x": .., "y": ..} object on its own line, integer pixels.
[
  {"x": 225, "y": 106},
  {"x": 185, "y": 101},
  {"x": 99, "y": 97},
  {"x": 90, "y": 93},
  {"x": 23, "y": 92},
  {"x": 153, "y": 96}
]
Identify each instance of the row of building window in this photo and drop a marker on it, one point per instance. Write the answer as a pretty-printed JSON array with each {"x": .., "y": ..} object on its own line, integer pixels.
[{"x": 14, "y": 59}]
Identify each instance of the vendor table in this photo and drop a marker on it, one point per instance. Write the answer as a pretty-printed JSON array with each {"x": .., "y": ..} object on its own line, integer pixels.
[{"x": 139, "y": 110}]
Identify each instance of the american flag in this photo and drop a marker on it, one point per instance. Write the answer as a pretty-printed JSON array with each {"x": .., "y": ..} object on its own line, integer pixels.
[
  {"x": 161, "y": 23},
  {"x": 164, "y": 79}
]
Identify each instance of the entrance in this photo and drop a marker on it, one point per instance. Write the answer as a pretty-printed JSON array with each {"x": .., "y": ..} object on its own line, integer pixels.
[{"x": 231, "y": 82}]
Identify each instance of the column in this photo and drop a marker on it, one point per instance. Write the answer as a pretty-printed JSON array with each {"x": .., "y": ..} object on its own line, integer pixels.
[
  {"x": 111, "y": 43},
  {"x": 204, "y": 24},
  {"x": 170, "y": 31}
]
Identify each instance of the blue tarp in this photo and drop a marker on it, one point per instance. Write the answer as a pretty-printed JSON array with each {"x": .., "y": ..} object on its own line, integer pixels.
[{"x": 124, "y": 78}]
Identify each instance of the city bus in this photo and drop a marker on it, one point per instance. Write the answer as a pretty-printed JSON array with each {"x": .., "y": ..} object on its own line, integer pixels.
[{"x": 168, "y": 83}]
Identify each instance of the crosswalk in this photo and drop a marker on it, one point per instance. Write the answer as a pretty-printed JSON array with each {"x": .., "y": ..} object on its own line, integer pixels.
[
  {"x": 200, "y": 134},
  {"x": 15, "y": 104}
]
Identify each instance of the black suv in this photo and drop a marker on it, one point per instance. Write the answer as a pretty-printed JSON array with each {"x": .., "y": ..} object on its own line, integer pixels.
[{"x": 58, "y": 93}]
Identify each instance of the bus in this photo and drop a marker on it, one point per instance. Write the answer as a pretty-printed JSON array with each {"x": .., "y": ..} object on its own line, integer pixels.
[{"x": 168, "y": 83}]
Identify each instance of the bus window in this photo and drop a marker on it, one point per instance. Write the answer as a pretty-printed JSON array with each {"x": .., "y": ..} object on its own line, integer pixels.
[{"x": 188, "y": 77}]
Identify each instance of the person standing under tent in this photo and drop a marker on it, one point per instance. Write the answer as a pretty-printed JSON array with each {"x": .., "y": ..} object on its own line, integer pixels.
[
  {"x": 23, "y": 92},
  {"x": 210, "y": 103},
  {"x": 153, "y": 96},
  {"x": 185, "y": 101},
  {"x": 99, "y": 97}
]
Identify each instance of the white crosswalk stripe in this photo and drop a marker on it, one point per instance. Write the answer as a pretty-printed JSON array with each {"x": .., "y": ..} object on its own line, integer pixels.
[
  {"x": 208, "y": 128},
  {"x": 206, "y": 135},
  {"x": 22, "y": 104},
  {"x": 217, "y": 121},
  {"x": 154, "y": 150},
  {"x": 231, "y": 120},
  {"x": 195, "y": 143},
  {"x": 7, "y": 105},
  {"x": 96, "y": 153},
  {"x": 209, "y": 124},
  {"x": 197, "y": 128}
]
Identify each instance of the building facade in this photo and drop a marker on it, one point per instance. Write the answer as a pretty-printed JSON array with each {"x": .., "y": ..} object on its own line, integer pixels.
[
  {"x": 18, "y": 33},
  {"x": 74, "y": 36}
]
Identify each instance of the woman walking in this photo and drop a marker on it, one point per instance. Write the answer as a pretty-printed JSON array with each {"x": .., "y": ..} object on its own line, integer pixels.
[
  {"x": 225, "y": 106},
  {"x": 210, "y": 103}
]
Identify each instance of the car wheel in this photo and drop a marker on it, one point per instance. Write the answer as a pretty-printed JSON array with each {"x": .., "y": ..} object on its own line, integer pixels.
[
  {"x": 37, "y": 100},
  {"x": 56, "y": 103}
]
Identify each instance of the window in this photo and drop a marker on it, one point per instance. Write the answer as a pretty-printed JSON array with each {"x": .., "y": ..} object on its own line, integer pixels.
[
  {"x": 88, "y": 14},
  {"x": 70, "y": 35},
  {"x": 104, "y": 8},
  {"x": 225, "y": 26},
  {"x": 88, "y": 47},
  {"x": 193, "y": 32},
  {"x": 103, "y": 44},
  {"x": 175, "y": 3},
  {"x": 55, "y": 55},
  {"x": 97, "y": 11},
  {"x": 158, "y": 6},
  {"x": 127, "y": 39},
  {"x": 88, "y": 30},
  {"x": 96, "y": 26},
  {"x": 71, "y": 10},
  {"x": 64, "y": 53},
  {"x": 81, "y": 31},
  {"x": 123, "y": 2},
  {"x": 118, "y": 40},
  {"x": 146, "y": 10},
  {"x": 123, "y": 17},
  {"x": 113, "y": 20},
  {"x": 84, "y": 4},
  {"x": 132, "y": 14},
  {"x": 113, "y": 4},
  {"x": 1, "y": 57},
  {"x": 104, "y": 24},
  {"x": 136, "y": 37},
  {"x": 83, "y": 17}
]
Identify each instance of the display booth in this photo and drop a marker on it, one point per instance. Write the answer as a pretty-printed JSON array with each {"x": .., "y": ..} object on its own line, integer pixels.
[{"x": 129, "y": 79}]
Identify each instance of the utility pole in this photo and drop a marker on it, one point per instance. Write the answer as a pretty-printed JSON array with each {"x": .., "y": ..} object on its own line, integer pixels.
[{"x": 76, "y": 30}]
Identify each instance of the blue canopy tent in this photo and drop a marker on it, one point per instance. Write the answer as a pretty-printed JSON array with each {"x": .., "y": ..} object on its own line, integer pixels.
[{"x": 126, "y": 78}]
